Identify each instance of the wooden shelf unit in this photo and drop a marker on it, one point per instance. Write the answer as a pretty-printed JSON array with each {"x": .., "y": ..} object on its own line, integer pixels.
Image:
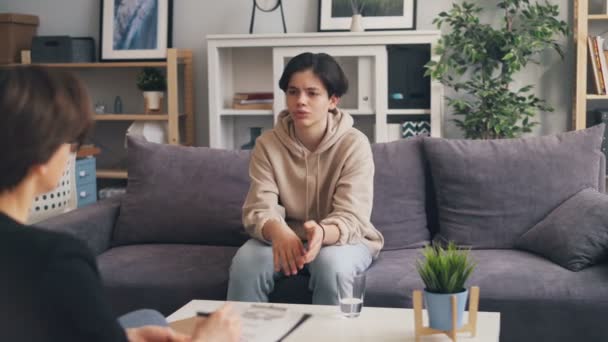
[
  {"x": 582, "y": 19},
  {"x": 175, "y": 57}
]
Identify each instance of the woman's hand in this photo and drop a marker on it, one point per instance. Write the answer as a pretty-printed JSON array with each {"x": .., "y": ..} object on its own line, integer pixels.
[
  {"x": 224, "y": 325},
  {"x": 314, "y": 236},
  {"x": 287, "y": 248},
  {"x": 150, "y": 333}
]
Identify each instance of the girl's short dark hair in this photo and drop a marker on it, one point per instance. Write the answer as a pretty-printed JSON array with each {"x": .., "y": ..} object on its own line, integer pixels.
[
  {"x": 323, "y": 66},
  {"x": 40, "y": 109}
]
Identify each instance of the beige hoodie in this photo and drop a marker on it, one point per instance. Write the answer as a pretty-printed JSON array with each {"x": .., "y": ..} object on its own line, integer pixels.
[{"x": 332, "y": 185}]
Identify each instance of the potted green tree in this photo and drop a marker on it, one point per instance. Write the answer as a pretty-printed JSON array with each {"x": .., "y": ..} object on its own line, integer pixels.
[
  {"x": 480, "y": 61},
  {"x": 153, "y": 84},
  {"x": 444, "y": 272}
]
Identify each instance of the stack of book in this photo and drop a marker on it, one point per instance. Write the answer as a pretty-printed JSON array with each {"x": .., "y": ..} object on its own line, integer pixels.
[
  {"x": 599, "y": 66},
  {"x": 254, "y": 100}
]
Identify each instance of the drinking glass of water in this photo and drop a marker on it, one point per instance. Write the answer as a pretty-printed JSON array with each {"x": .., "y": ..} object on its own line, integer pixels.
[{"x": 351, "y": 290}]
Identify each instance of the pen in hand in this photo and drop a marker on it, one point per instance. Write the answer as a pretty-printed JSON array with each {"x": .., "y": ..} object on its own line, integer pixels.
[{"x": 203, "y": 314}]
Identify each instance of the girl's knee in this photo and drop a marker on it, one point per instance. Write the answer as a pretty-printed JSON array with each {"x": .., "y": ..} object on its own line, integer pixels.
[{"x": 252, "y": 258}]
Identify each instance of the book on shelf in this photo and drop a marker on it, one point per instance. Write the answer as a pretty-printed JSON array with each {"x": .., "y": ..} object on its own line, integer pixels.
[
  {"x": 87, "y": 151},
  {"x": 254, "y": 96},
  {"x": 265, "y": 106},
  {"x": 599, "y": 45},
  {"x": 596, "y": 67},
  {"x": 253, "y": 101}
]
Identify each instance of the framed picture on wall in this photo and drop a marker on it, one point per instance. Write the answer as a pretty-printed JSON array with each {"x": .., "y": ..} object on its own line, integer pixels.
[
  {"x": 135, "y": 29},
  {"x": 335, "y": 15}
]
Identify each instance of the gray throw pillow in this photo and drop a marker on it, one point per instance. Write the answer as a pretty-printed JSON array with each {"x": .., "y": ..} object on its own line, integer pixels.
[
  {"x": 179, "y": 194},
  {"x": 489, "y": 192},
  {"x": 400, "y": 193},
  {"x": 575, "y": 234}
]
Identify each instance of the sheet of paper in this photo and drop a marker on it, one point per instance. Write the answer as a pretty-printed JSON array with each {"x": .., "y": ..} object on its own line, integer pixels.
[
  {"x": 265, "y": 322},
  {"x": 261, "y": 322}
]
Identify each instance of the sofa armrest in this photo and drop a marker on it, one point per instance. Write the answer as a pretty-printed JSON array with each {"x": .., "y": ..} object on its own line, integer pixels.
[{"x": 93, "y": 224}]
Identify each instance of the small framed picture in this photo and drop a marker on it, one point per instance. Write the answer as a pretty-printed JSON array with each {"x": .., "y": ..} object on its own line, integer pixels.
[
  {"x": 135, "y": 29},
  {"x": 336, "y": 15}
]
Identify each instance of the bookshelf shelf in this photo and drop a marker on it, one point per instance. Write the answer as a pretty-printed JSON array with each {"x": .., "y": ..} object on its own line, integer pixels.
[
  {"x": 246, "y": 112},
  {"x": 132, "y": 117},
  {"x": 597, "y": 97},
  {"x": 598, "y": 17}
]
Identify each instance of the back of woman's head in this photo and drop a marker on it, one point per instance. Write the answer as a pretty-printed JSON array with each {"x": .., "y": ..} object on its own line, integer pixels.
[
  {"x": 323, "y": 66},
  {"x": 40, "y": 109}
]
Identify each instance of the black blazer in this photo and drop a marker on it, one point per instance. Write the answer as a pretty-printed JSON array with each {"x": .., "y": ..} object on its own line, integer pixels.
[{"x": 50, "y": 289}]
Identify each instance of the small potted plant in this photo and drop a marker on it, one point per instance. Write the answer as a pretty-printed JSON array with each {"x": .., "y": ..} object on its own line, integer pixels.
[
  {"x": 153, "y": 84},
  {"x": 444, "y": 273}
]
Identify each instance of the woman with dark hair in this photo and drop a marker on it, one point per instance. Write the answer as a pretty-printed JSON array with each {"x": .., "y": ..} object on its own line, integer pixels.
[
  {"x": 310, "y": 199},
  {"x": 50, "y": 285}
]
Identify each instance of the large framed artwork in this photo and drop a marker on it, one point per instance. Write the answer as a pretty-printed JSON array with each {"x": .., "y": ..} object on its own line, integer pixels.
[
  {"x": 135, "y": 29},
  {"x": 335, "y": 15}
]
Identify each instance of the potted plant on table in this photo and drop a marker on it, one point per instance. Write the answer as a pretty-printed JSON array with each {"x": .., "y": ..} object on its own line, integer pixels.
[
  {"x": 480, "y": 62},
  {"x": 444, "y": 272},
  {"x": 153, "y": 84}
]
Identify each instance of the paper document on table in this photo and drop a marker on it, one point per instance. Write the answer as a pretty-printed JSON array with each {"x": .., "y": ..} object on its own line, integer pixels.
[{"x": 262, "y": 322}]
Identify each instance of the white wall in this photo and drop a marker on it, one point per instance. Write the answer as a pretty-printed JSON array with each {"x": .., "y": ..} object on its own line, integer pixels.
[{"x": 194, "y": 19}]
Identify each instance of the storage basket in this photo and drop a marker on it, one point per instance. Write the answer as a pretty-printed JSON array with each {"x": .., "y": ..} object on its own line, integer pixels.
[{"x": 59, "y": 200}]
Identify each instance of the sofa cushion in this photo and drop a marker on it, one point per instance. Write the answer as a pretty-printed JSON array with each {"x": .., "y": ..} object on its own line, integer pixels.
[
  {"x": 178, "y": 194},
  {"x": 399, "y": 193},
  {"x": 575, "y": 234},
  {"x": 490, "y": 192},
  {"x": 164, "y": 277},
  {"x": 392, "y": 278}
]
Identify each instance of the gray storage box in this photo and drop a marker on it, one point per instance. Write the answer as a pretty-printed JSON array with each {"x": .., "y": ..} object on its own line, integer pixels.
[{"x": 63, "y": 49}]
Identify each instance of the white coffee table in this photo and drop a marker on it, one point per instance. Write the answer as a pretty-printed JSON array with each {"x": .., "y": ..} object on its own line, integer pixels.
[{"x": 374, "y": 324}]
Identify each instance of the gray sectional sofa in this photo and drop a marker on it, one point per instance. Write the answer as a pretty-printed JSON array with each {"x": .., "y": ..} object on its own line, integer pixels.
[{"x": 171, "y": 238}]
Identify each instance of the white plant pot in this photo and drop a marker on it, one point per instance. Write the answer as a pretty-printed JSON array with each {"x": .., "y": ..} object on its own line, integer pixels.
[
  {"x": 153, "y": 99},
  {"x": 356, "y": 24}
]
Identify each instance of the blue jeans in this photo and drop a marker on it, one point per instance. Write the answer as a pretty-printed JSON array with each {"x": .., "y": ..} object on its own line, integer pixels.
[
  {"x": 252, "y": 275},
  {"x": 139, "y": 318}
]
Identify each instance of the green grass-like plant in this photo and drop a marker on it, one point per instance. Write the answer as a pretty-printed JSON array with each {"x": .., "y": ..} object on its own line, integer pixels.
[
  {"x": 445, "y": 270},
  {"x": 151, "y": 79}
]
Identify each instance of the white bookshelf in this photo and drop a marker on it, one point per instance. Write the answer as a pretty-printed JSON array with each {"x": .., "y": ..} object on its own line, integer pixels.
[{"x": 255, "y": 62}]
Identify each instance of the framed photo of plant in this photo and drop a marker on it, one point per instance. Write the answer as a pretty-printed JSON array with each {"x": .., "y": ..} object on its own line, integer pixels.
[
  {"x": 335, "y": 15},
  {"x": 135, "y": 29}
]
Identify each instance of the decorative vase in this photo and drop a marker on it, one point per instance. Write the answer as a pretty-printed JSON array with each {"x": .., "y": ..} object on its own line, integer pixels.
[
  {"x": 152, "y": 100},
  {"x": 439, "y": 308},
  {"x": 151, "y": 131},
  {"x": 254, "y": 133},
  {"x": 356, "y": 23}
]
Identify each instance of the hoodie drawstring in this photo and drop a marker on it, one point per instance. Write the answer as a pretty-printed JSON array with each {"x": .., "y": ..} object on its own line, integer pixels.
[
  {"x": 318, "y": 218},
  {"x": 306, "y": 184}
]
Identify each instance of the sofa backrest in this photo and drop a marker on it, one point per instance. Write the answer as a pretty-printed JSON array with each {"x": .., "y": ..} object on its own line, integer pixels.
[
  {"x": 488, "y": 192},
  {"x": 400, "y": 193},
  {"x": 491, "y": 192},
  {"x": 178, "y": 194}
]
